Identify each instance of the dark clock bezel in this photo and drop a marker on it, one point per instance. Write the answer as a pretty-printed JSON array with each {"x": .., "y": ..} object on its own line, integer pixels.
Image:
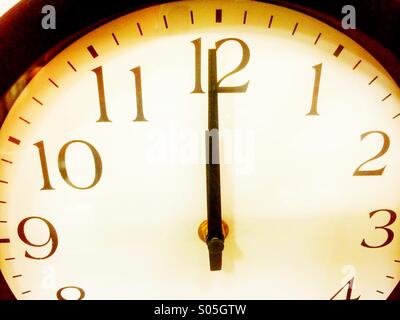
[{"x": 25, "y": 47}]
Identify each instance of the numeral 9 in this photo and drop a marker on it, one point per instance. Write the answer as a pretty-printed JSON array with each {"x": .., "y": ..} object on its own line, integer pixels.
[{"x": 53, "y": 238}]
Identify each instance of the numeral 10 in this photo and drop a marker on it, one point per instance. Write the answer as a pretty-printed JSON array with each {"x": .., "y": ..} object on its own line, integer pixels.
[{"x": 47, "y": 185}]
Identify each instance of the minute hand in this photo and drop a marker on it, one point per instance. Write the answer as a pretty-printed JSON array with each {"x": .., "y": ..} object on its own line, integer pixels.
[{"x": 215, "y": 237}]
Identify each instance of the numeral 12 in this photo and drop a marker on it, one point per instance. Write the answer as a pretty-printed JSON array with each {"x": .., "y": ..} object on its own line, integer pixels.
[{"x": 243, "y": 63}]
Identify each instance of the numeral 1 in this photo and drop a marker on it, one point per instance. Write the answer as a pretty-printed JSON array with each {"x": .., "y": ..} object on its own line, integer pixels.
[
  {"x": 197, "y": 86},
  {"x": 139, "y": 100},
  {"x": 102, "y": 100},
  {"x": 317, "y": 81},
  {"x": 43, "y": 163}
]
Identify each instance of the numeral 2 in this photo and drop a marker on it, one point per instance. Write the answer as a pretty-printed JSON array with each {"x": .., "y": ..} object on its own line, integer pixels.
[{"x": 378, "y": 172}]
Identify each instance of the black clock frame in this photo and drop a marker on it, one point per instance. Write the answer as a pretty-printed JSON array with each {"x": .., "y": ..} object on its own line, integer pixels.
[{"x": 25, "y": 46}]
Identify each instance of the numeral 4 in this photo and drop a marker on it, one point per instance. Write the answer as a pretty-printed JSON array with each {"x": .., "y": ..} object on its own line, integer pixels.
[{"x": 348, "y": 287}]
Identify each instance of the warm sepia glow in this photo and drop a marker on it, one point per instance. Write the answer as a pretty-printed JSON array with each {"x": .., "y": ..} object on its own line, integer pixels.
[
  {"x": 296, "y": 214},
  {"x": 6, "y": 5}
]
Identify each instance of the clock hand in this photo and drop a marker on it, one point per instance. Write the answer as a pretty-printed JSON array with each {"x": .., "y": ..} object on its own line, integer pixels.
[{"x": 215, "y": 237}]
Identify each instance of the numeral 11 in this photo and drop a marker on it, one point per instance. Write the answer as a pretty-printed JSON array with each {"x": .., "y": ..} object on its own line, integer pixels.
[{"x": 102, "y": 100}]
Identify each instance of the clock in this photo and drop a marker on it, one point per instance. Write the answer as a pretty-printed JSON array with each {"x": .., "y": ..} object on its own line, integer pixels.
[{"x": 203, "y": 150}]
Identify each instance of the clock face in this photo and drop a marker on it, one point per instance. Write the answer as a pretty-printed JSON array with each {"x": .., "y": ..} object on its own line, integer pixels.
[{"x": 103, "y": 161}]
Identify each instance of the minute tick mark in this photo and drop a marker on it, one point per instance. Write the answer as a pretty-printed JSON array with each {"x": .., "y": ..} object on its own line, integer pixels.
[
  {"x": 270, "y": 22},
  {"x": 165, "y": 22},
  {"x": 139, "y": 28},
  {"x": 357, "y": 64},
  {"x": 37, "y": 100},
  {"x": 295, "y": 28},
  {"x": 115, "y": 39},
  {"x": 53, "y": 83},
  {"x": 7, "y": 161},
  {"x": 24, "y": 120},
  {"x": 316, "y": 40},
  {"x": 372, "y": 81},
  {"x": 191, "y": 17},
  {"x": 72, "y": 66},
  {"x": 387, "y": 97}
]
